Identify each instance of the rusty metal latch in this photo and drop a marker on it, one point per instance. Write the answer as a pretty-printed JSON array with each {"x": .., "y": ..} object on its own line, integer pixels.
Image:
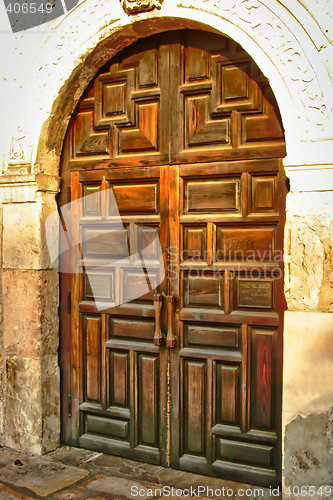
[
  {"x": 158, "y": 337},
  {"x": 171, "y": 338}
]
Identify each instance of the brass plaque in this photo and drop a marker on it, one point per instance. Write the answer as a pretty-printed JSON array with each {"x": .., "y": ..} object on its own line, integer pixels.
[
  {"x": 255, "y": 293},
  {"x": 98, "y": 286}
]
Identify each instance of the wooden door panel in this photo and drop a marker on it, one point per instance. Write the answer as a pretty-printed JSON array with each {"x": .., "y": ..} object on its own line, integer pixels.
[
  {"x": 203, "y": 291},
  {"x": 122, "y": 114},
  {"x": 123, "y": 384},
  {"x": 262, "y": 379},
  {"x": 148, "y": 400},
  {"x": 194, "y": 439},
  {"x": 135, "y": 199},
  {"x": 229, "y": 109},
  {"x": 228, "y": 394},
  {"x": 212, "y": 196},
  {"x": 119, "y": 378},
  {"x": 245, "y": 243},
  {"x": 230, "y": 286},
  {"x": 92, "y": 359},
  {"x": 200, "y": 335}
]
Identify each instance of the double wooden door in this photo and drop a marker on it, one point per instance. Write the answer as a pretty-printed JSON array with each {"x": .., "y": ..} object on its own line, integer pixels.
[{"x": 180, "y": 133}]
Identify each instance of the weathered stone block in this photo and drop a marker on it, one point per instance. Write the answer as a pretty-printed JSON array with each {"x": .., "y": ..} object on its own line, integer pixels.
[
  {"x": 24, "y": 239},
  {"x": 308, "y": 252},
  {"x": 22, "y": 246},
  {"x": 32, "y": 403},
  {"x": 50, "y": 381},
  {"x": 31, "y": 321},
  {"x": 24, "y": 404}
]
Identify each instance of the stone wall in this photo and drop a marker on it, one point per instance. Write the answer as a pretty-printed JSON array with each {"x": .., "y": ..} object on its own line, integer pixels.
[
  {"x": 43, "y": 79},
  {"x": 30, "y": 316}
]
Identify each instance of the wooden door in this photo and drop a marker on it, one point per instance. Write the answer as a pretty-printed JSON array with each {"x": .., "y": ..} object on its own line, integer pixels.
[{"x": 184, "y": 131}]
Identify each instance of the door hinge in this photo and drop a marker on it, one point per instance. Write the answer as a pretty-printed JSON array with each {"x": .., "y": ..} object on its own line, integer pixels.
[
  {"x": 69, "y": 405},
  {"x": 69, "y": 302}
]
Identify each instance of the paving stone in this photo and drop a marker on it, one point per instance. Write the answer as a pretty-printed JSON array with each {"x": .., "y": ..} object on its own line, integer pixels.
[
  {"x": 116, "y": 486},
  {"x": 9, "y": 494},
  {"x": 9, "y": 456},
  {"x": 41, "y": 476},
  {"x": 72, "y": 456},
  {"x": 69, "y": 495},
  {"x": 123, "y": 467}
]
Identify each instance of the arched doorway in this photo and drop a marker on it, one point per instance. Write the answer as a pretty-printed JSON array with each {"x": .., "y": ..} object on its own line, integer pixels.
[{"x": 183, "y": 129}]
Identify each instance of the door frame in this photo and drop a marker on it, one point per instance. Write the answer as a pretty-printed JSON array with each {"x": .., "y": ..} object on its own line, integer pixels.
[{"x": 64, "y": 303}]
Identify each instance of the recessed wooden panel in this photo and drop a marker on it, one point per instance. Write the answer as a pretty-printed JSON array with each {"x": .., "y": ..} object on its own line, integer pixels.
[
  {"x": 131, "y": 329},
  {"x": 245, "y": 452},
  {"x": 194, "y": 407},
  {"x": 135, "y": 198},
  {"x": 119, "y": 378},
  {"x": 92, "y": 200},
  {"x": 104, "y": 242},
  {"x": 148, "y": 400},
  {"x": 200, "y": 336},
  {"x": 202, "y": 291},
  {"x": 86, "y": 141},
  {"x": 250, "y": 244},
  {"x": 92, "y": 357},
  {"x": 148, "y": 69},
  {"x": 212, "y": 196},
  {"x": 196, "y": 64},
  {"x": 135, "y": 285},
  {"x": 227, "y": 394},
  {"x": 265, "y": 126},
  {"x": 145, "y": 136},
  {"x": 255, "y": 293},
  {"x": 262, "y": 377},
  {"x": 99, "y": 286},
  {"x": 148, "y": 243},
  {"x": 264, "y": 195},
  {"x": 195, "y": 244},
  {"x": 107, "y": 426},
  {"x": 112, "y": 91},
  {"x": 235, "y": 83},
  {"x": 113, "y": 95},
  {"x": 200, "y": 130}
]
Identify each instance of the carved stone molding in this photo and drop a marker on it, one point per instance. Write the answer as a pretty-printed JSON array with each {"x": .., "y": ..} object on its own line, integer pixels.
[
  {"x": 270, "y": 31},
  {"x": 138, "y": 6},
  {"x": 20, "y": 151}
]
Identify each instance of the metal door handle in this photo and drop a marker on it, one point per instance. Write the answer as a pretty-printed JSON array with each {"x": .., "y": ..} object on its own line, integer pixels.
[
  {"x": 171, "y": 339},
  {"x": 158, "y": 337}
]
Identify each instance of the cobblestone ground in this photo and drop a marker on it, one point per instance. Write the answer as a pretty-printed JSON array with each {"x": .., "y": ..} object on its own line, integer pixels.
[{"x": 76, "y": 474}]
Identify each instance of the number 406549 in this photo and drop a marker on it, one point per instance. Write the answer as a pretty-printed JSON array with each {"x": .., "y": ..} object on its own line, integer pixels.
[
  {"x": 309, "y": 491},
  {"x": 30, "y": 8}
]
